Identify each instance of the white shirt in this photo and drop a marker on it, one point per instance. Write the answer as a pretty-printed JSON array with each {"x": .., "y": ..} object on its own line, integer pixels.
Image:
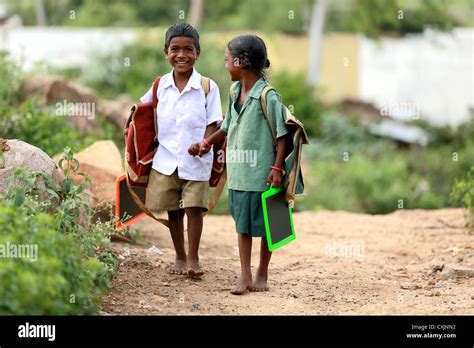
[{"x": 182, "y": 121}]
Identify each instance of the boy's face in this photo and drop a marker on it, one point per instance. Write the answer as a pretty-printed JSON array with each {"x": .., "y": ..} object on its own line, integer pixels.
[
  {"x": 182, "y": 54},
  {"x": 233, "y": 66}
]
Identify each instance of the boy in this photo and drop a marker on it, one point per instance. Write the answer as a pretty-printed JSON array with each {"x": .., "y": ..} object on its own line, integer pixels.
[{"x": 179, "y": 183}]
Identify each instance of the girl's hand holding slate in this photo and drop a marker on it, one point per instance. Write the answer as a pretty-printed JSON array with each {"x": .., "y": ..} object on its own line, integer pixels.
[{"x": 274, "y": 178}]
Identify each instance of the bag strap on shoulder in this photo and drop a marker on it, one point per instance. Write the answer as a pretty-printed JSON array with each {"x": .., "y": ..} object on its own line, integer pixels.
[
  {"x": 263, "y": 102},
  {"x": 155, "y": 89},
  {"x": 206, "y": 85}
]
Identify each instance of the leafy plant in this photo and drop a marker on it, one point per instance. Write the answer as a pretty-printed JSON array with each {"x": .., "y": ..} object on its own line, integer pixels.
[
  {"x": 60, "y": 217},
  {"x": 60, "y": 281},
  {"x": 463, "y": 192}
]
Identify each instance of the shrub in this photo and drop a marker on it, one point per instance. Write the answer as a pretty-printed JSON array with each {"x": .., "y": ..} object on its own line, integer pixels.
[
  {"x": 297, "y": 94},
  {"x": 463, "y": 192},
  {"x": 74, "y": 267},
  {"x": 60, "y": 281}
]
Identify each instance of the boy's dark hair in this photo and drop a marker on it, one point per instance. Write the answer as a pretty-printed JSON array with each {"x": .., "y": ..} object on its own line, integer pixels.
[
  {"x": 182, "y": 29},
  {"x": 252, "y": 51}
]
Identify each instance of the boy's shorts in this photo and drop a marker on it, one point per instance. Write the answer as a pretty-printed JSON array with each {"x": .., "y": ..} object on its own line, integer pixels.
[{"x": 169, "y": 192}]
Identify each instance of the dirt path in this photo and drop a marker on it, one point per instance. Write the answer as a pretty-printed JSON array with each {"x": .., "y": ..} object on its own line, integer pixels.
[{"x": 340, "y": 263}]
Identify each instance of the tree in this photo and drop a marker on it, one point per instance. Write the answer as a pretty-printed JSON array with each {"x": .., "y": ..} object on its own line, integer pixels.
[
  {"x": 316, "y": 30},
  {"x": 196, "y": 12}
]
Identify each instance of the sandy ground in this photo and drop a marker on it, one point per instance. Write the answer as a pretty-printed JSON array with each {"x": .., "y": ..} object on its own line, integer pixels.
[{"x": 340, "y": 263}]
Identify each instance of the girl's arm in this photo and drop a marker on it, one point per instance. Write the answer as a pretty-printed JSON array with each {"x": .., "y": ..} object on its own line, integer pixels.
[{"x": 275, "y": 175}]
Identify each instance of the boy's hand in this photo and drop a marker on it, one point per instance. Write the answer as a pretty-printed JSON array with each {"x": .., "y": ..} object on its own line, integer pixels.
[
  {"x": 199, "y": 149},
  {"x": 194, "y": 149},
  {"x": 274, "y": 178}
]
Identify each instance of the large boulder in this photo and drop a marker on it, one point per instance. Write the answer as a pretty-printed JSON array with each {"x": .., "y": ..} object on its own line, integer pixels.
[
  {"x": 117, "y": 111},
  {"x": 102, "y": 162},
  {"x": 18, "y": 154},
  {"x": 78, "y": 103}
]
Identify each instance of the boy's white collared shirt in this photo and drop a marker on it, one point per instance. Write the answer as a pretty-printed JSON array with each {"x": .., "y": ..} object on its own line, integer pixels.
[{"x": 182, "y": 121}]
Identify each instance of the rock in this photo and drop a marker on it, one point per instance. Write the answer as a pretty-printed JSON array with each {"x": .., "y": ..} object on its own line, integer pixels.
[
  {"x": 117, "y": 111},
  {"x": 104, "y": 155},
  {"x": 154, "y": 250},
  {"x": 102, "y": 162},
  {"x": 23, "y": 155},
  {"x": 143, "y": 304},
  {"x": 435, "y": 269},
  {"x": 454, "y": 271},
  {"x": 76, "y": 103}
]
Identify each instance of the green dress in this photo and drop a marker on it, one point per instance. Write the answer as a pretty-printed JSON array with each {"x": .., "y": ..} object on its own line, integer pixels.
[{"x": 250, "y": 155}]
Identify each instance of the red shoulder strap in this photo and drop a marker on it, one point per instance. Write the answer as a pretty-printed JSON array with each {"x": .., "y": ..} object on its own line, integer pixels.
[{"x": 155, "y": 88}]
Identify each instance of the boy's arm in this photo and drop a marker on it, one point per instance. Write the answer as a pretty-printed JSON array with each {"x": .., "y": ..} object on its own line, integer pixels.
[{"x": 275, "y": 175}]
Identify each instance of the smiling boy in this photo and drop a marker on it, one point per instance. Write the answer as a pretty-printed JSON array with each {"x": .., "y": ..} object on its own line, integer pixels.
[{"x": 179, "y": 183}]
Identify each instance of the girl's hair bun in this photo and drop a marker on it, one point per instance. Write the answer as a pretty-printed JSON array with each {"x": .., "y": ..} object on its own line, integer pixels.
[{"x": 251, "y": 51}]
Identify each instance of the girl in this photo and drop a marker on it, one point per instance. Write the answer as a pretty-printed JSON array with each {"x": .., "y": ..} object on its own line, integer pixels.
[{"x": 249, "y": 137}]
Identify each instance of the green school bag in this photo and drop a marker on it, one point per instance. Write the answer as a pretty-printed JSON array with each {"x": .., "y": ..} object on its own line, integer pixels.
[{"x": 292, "y": 175}]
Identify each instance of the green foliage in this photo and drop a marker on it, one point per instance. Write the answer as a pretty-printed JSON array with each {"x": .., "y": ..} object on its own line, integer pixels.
[
  {"x": 9, "y": 84},
  {"x": 352, "y": 170},
  {"x": 73, "y": 257},
  {"x": 376, "y": 17},
  {"x": 60, "y": 281},
  {"x": 41, "y": 128},
  {"x": 132, "y": 70},
  {"x": 287, "y": 16},
  {"x": 463, "y": 192},
  {"x": 297, "y": 93},
  {"x": 375, "y": 185},
  {"x": 372, "y": 17}
]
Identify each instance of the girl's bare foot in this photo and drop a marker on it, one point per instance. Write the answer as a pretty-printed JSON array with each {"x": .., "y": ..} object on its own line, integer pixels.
[
  {"x": 179, "y": 267},
  {"x": 194, "y": 270},
  {"x": 260, "y": 283},
  {"x": 244, "y": 284}
]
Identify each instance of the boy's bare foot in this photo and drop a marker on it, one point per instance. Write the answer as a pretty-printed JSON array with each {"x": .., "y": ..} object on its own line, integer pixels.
[
  {"x": 194, "y": 270},
  {"x": 179, "y": 267},
  {"x": 242, "y": 286},
  {"x": 260, "y": 283}
]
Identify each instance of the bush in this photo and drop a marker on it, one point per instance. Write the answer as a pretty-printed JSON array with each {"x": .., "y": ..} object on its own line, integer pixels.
[
  {"x": 77, "y": 265},
  {"x": 296, "y": 93},
  {"x": 463, "y": 192},
  {"x": 373, "y": 184},
  {"x": 61, "y": 280},
  {"x": 39, "y": 126}
]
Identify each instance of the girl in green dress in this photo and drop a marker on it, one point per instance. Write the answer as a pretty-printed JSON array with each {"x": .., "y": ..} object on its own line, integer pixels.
[{"x": 253, "y": 162}]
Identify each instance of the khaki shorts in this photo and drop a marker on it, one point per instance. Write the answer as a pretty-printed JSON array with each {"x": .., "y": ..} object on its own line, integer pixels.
[{"x": 169, "y": 192}]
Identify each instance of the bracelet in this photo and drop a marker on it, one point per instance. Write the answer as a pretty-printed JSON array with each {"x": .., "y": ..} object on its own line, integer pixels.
[
  {"x": 277, "y": 168},
  {"x": 206, "y": 142}
]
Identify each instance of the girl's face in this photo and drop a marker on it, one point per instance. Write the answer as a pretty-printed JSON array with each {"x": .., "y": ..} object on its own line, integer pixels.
[
  {"x": 182, "y": 54},
  {"x": 233, "y": 66}
]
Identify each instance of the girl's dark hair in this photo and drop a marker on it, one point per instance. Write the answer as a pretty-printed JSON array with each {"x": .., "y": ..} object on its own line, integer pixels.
[
  {"x": 252, "y": 52},
  {"x": 182, "y": 29}
]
